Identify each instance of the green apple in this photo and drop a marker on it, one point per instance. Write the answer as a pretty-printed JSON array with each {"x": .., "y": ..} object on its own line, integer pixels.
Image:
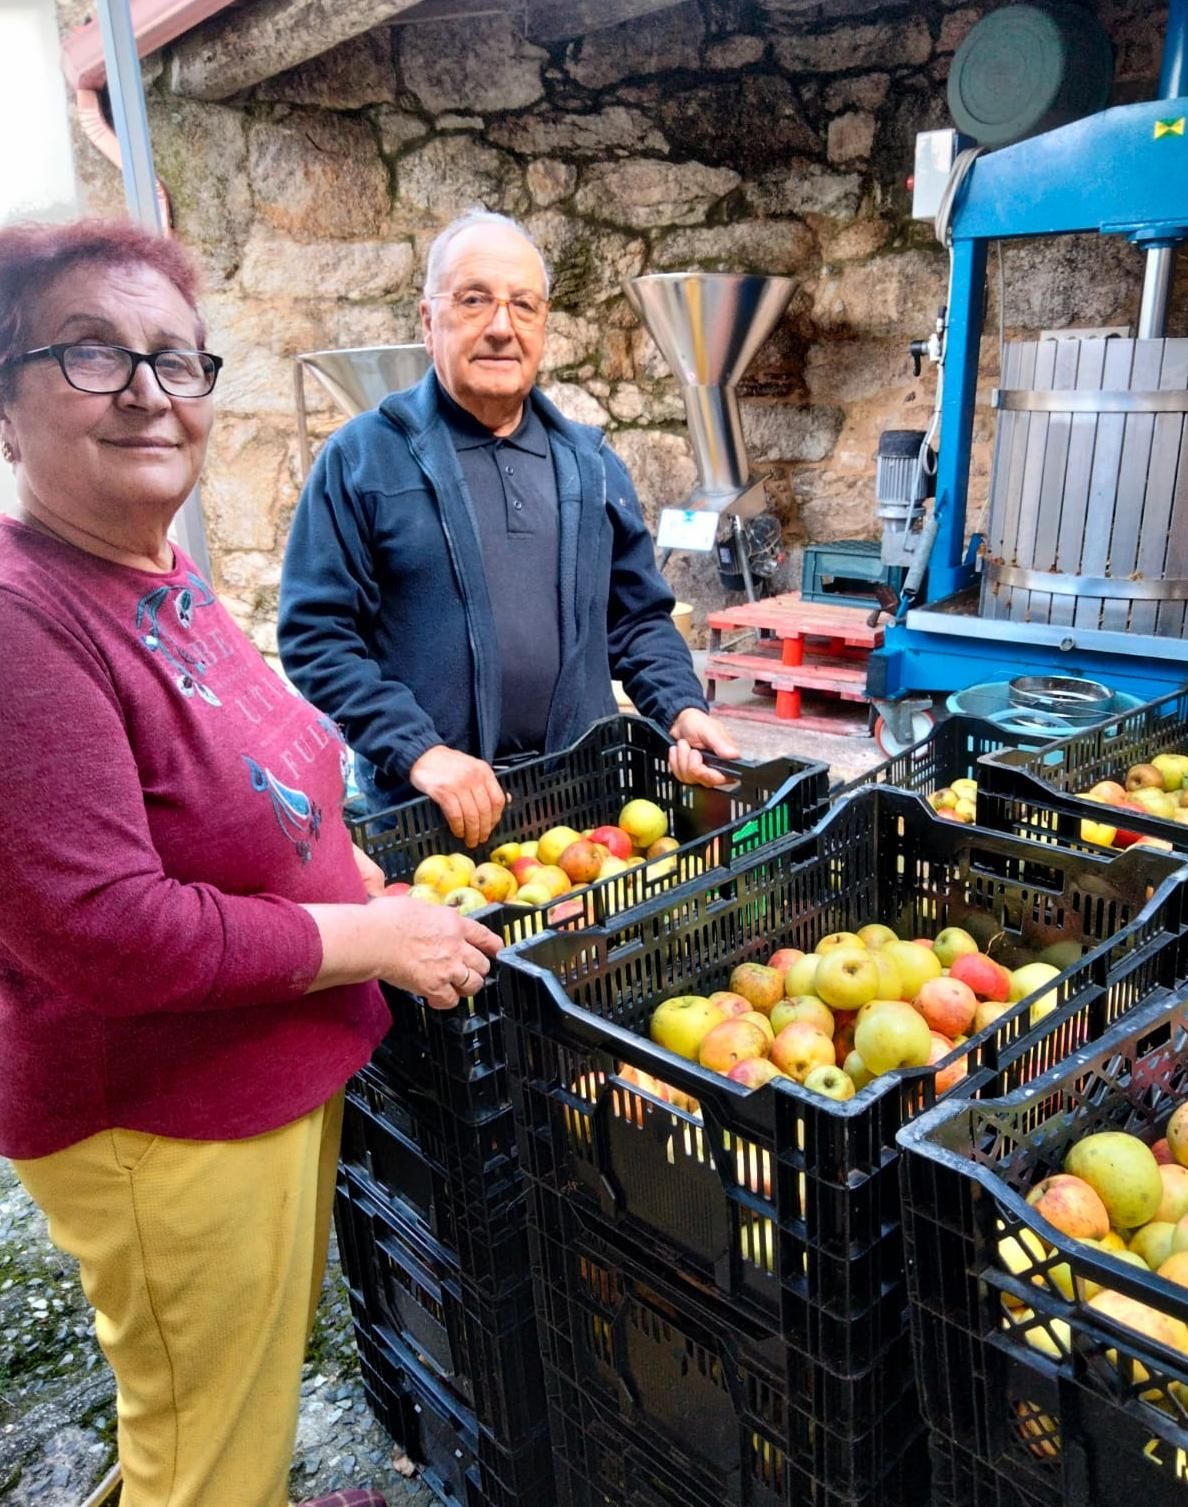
[
  {"x": 1156, "y": 801},
  {"x": 833, "y": 1082},
  {"x": 1123, "y": 1171},
  {"x": 801, "y": 978},
  {"x": 914, "y": 964},
  {"x": 951, "y": 943},
  {"x": 846, "y": 978},
  {"x": 680, "y": 1023},
  {"x": 857, "y": 1071},
  {"x": 893, "y": 1035},
  {"x": 1173, "y": 768}
]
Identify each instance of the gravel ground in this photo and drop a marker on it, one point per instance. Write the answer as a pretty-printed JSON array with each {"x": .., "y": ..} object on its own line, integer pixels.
[{"x": 57, "y": 1397}]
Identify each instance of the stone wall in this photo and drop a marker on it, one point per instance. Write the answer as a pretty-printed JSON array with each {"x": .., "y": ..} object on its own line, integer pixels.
[{"x": 770, "y": 136}]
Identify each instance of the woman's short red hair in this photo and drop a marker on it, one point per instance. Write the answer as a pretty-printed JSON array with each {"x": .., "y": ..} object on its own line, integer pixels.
[{"x": 33, "y": 256}]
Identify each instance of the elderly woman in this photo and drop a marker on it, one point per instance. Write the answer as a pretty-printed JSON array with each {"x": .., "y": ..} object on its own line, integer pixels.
[{"x": 188, "y": 956}]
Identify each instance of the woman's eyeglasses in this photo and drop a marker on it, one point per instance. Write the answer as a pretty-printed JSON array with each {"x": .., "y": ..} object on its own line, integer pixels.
[
  {"x": 89, "y": 367},
  {"x": 528, "y": 311}
]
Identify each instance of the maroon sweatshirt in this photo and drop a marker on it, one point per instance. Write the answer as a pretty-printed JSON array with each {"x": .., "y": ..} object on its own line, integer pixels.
[{"x": 166, "y": 804}]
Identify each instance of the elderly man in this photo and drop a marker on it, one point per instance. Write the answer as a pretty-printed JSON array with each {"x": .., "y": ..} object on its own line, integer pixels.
[{"x": 468, "y": 569}]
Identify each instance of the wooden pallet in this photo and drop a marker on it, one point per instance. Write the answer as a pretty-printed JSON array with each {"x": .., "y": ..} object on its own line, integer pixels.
[{"x": 814, "y": 646}]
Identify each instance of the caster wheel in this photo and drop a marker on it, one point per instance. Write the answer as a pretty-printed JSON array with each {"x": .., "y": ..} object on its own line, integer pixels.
[{"x": 922, "y": 724}]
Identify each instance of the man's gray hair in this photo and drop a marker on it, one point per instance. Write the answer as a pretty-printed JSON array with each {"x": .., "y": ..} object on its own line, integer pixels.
[{"x": 471, "y": 218}]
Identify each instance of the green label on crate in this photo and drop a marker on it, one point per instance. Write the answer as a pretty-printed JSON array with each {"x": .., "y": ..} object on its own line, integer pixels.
[{"x": 740, "y": 837}]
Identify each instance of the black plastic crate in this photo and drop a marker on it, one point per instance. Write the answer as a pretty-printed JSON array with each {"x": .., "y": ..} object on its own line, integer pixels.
[
  {"x": 689, "y": 1378},
  {"x": 784, "y": 1202},
  {"x": 953, "y": 750},
  {"x": 1099, "y": 1414},
  {"x": 459, "y": 1180},
  {"x": 960, "y": 1479},
  {"x": 462, "y": 1050},
  {"x": 483, "y": 1348},
  {"x": 1034, "y": 792},
  {"x": 461, "y": 1462},
  {"x": 612, "y": 1458}
]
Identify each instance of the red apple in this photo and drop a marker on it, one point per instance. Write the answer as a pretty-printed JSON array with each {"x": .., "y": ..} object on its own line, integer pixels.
[
  {"x": 987, "y": 979},
  {"x": 522, "y": 867},
  {"x": 754, "y": 1072},
  {"x": 614, "y": 840},
  {"x": 1108, "y": 791},
  {"x": 730, "y": 1004},
  {"x": 1161, "y": 1151},
  {"x": 947, "y": 1004},
  {"x": 782, "y": 960},
  {"x": 581, "y": 861},
  {"x": 397, "y": 888},
  {"x": 799, "y": 1048},
  {"x": 731, "y": 1041},
  {"x": 763, "y": 986},
  {"x": 948, "y": 1076}
]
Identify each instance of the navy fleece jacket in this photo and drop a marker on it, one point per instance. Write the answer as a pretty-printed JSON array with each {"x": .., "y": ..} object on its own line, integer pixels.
[{"x": 385, "y": 619}]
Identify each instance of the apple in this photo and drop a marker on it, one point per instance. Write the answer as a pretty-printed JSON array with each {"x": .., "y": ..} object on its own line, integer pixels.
[
  {"x": 754, "y": 1072},
  {"x": 505, "y": 854},
  {"x": 1124, "y": 1173},
  {"x": 966, "y": 810},
  {"x": 523, "y": 866},
  {"x": 757, "y": 1018},
  {"x": 951, "y": 944},
  {"x": 1173, "y": 768},
  {"x": 801, "y": 978},
  {"x": 581, "y": 861},
  {"x": 843, "y": 1040},
  {"x": 1156, "y": 802},
  {"x": 1153, "y": 1242},
  {"x": 799, "y": 1048},
  {"x": 551, "y": 844},
  {"x": 494, "y": 881},
  {"x": 948, "y": 1005},
  {"x": 782, "y": 960},
  {"x": 466, "y": 899},
  {"x": 892, "y": 1035},
  {"x": 1174, "y": 1268},
  {"x": 1108, "y": 791},
  {"x": 890, "y": 982},
  {"x": 428, "y": 894},
  {"x": 730, "y": 1004},
  {"x": 1071, "y": 1205},
  {"x": 397, "y": 889},
  {"x": 964, "y": 789},
  {"x": 947, "y": 1077},
  {"x": 731, "y": 1041},
  {"x": 643, "y": 821},
  {"x": 987, "y": 979},
  {"x": 1143, "y": 777},
  {"x": 435, "y": 870},
  {"x": 1177, "y": 1134},
  {"x": 874, "y": 935},
  {"x": 847, "y": 977},
  {"x": 554, "y": 876},
  {"x": 914, "y": 964},
  {"x": 838, "y": 939},
  {"x": 856, "y": 1070},
  {"x": 763, "y": 986},
  {"x": 944, "y": 799},
  {"x": 833, "y": 1082},
  {"x": 1160, "y": 1327},
  {"x": 613, "y": 839},
  {"x": 804, "y": 1007},
  {"x": 662, "y": 847},
  {"x": 1029, "y": 980},
  {"x": 678, "y": 1024},
  {"x": 1162, "y": 1152},
  {"x": 534, "y": 894},
  {"x": 1125, "y": 837},
  {"x": 1101, "y": 833},
  {"x": 987, "y": 1013}
]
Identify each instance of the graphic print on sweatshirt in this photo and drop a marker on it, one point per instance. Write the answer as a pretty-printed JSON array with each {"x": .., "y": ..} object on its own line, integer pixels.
[
  {"x": 299, "y": 818},
  {"x": 187, "y": 664}
]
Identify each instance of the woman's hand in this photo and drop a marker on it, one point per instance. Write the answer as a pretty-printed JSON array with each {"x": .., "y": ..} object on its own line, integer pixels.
[
  {"x": 434, "y": 951},
  {"x": 370, "y": 873}
]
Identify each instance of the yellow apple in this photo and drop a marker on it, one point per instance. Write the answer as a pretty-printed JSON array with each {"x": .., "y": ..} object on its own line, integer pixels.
[
  {"x": 893, "y": 1035},
  {"x": 506, "y": 854},
  {"x": 838, "y": 939},
  {"x": 874, "y": 935},
  {"x": 802, "y": 976},
  {"x": 1123, "y": 1171},
  {"x": 678, "y": 1024},
  {"x": 428, "y": 894},
  {"x": 847, "y": 977},
  {"x": 1173, "y": 768},
  {"x": 553, "y": 843},
  {"x": 833, "y": 1082},
  {"x": 495, "y": 882},
  {"x": 643, "y": 821},
  {"x": 1153, "y": 1242},
  {"x": 466, "y": 899},
  {"x": 806, "y": 1007},
  {"x": 914, "y": 964}
]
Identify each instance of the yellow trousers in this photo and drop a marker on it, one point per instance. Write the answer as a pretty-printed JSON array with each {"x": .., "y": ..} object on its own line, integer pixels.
[{"x": 203, "y": 1261}]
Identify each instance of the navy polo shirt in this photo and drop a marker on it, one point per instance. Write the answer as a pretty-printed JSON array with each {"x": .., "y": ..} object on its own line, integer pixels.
[{"x": 514, "y": 495}]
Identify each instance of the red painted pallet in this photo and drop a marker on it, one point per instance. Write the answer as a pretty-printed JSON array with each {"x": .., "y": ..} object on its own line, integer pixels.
[{"x": 812, "y": 646}]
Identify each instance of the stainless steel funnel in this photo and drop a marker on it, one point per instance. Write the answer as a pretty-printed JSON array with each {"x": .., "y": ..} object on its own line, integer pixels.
[
  {"x": 356, "y": 379},
  {"x": 709, "y": 325}
]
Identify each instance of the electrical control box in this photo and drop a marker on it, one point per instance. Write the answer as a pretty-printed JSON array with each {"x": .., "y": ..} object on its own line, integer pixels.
[{"x": 936, "y": 151}]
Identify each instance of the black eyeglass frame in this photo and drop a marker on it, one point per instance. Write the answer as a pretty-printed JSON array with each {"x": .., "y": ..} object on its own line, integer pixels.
[{"x": 58, "y": 353}]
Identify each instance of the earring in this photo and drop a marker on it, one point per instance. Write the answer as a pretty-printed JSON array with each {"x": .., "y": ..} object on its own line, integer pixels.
[{"x": 8, "y": 452}]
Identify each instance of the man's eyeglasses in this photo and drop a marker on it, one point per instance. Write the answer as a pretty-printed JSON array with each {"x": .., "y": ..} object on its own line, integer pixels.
[
  {"x": 90, "y": 367},
  {"x": 527, "y": 311}
]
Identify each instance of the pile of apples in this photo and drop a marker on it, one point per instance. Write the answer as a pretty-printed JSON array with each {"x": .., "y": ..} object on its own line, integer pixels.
[
  {"x": 540, "y": 871},
  {"x": 859, "y": 1005},
  {"x": 1154, "y": 789},
  {"x": 957, "y": 802},
  {"x": 1121, "y": 1196}
]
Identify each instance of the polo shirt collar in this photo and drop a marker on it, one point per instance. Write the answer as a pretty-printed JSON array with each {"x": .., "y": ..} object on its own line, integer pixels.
[{"x": 468, "y": 434}]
